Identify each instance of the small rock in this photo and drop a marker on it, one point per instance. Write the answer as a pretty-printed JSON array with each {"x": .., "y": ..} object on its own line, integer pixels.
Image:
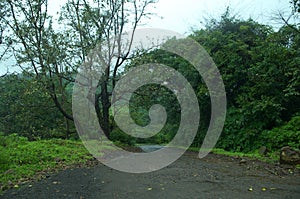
[
  {"x": 243, "y": 161},
  {"x": 289, "y": 156}
]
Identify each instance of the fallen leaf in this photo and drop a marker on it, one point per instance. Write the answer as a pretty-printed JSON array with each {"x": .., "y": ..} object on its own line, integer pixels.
[
  {"x": 250, "y": 189},
  {"x": 16, "y": 186},
  {"x": 264, "y": 189},
  {"x": 149, "y": 189}
]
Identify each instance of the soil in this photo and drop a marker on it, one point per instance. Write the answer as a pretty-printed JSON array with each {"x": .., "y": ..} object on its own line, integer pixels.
[{"x": 215, "y": 176}]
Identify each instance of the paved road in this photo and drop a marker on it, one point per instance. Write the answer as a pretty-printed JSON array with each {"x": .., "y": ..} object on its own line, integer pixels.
[{"x": 215, "y": 176}]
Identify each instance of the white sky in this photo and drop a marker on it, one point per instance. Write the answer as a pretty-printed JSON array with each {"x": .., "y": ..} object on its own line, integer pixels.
[{"x": 182, "y": 15}]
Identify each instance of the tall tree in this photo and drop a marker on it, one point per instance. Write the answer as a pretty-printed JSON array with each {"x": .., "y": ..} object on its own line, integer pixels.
[
  {"x": 53, "y": 55},
  {"x": 104, "y": 22},
  {"x": 260, "y": 71}
]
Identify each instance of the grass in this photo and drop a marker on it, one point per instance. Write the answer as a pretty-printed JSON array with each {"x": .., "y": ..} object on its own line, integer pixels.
[
  {"x": 271, "y": 157},
  {"x": 22, "y": 160}
]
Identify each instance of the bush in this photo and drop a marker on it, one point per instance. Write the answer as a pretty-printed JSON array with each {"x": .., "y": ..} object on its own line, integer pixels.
[
  {"x": 117, "y": 135},
  {"x": 11, "y": 140},
  {"x": 286, "y": 135}
]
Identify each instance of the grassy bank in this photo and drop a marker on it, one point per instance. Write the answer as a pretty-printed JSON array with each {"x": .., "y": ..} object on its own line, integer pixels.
[
  {"x": 271, "y": 157},
  {"x": 22, "y": 160}
]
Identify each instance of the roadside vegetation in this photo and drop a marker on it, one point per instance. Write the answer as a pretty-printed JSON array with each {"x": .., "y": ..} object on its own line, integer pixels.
[{"x": 23, "y": 160}]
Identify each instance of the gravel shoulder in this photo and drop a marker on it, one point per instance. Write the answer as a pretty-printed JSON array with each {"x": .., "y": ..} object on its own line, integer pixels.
[{"x": 215, "y": 176}]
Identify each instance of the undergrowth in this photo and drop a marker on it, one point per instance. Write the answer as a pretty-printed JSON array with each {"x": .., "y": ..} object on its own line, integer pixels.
[{"x": 21, "y": 160}]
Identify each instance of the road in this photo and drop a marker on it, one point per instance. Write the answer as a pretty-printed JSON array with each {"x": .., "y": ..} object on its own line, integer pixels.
[{"x": 215, "y": 176}]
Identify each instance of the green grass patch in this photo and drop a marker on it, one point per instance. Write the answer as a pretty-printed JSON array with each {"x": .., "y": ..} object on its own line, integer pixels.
[
  {"x": 21, "y": 159},
  {"x": 271, "y": 157}
]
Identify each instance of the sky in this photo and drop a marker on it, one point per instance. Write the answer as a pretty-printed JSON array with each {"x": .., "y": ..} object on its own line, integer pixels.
[{"x": 184, "y": 15}]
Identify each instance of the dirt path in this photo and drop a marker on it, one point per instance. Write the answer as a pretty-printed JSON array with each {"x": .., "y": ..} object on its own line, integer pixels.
[{"x": 215, "y": 176}]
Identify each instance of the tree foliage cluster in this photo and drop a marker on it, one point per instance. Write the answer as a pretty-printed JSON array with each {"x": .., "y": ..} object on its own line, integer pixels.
[
  {"x": 260, "y": 70},
  {"x": 27, "y": 110}
]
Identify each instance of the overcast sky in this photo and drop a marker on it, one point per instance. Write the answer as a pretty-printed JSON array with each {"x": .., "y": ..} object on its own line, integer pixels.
[{"x": 182, "y": 15}]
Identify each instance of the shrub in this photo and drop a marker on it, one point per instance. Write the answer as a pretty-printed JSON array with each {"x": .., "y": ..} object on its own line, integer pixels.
[
  {"x": 286, "y": 135},
  {"x": 117, "y": 135}
]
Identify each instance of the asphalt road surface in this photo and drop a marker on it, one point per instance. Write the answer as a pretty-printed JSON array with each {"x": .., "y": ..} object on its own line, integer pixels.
[{"x": 215, "y": 176}]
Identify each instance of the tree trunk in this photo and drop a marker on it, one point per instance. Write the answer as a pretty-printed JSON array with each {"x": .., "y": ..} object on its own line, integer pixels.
[
  {"x": 67, "y": 128},
  {"x": 105, "y": 109}
]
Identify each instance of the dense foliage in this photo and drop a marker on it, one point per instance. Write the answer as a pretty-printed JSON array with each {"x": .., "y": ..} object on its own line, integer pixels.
[
  {"x": 259, "y": 66},
  {"x": 260, "y": 69},
  {"x": 26, "y": 109}
]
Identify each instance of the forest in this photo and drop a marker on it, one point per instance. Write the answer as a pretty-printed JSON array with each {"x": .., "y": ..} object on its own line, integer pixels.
[{"x": 259, "y": 65}]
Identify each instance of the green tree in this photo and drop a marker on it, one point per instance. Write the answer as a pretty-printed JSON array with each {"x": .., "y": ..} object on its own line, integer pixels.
[
  {"x": 20, "y": 109},
  {"x": 104, "y": 22},
  {"x": 259, "y": 69},
  {"x": 53, "y": 55}
]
